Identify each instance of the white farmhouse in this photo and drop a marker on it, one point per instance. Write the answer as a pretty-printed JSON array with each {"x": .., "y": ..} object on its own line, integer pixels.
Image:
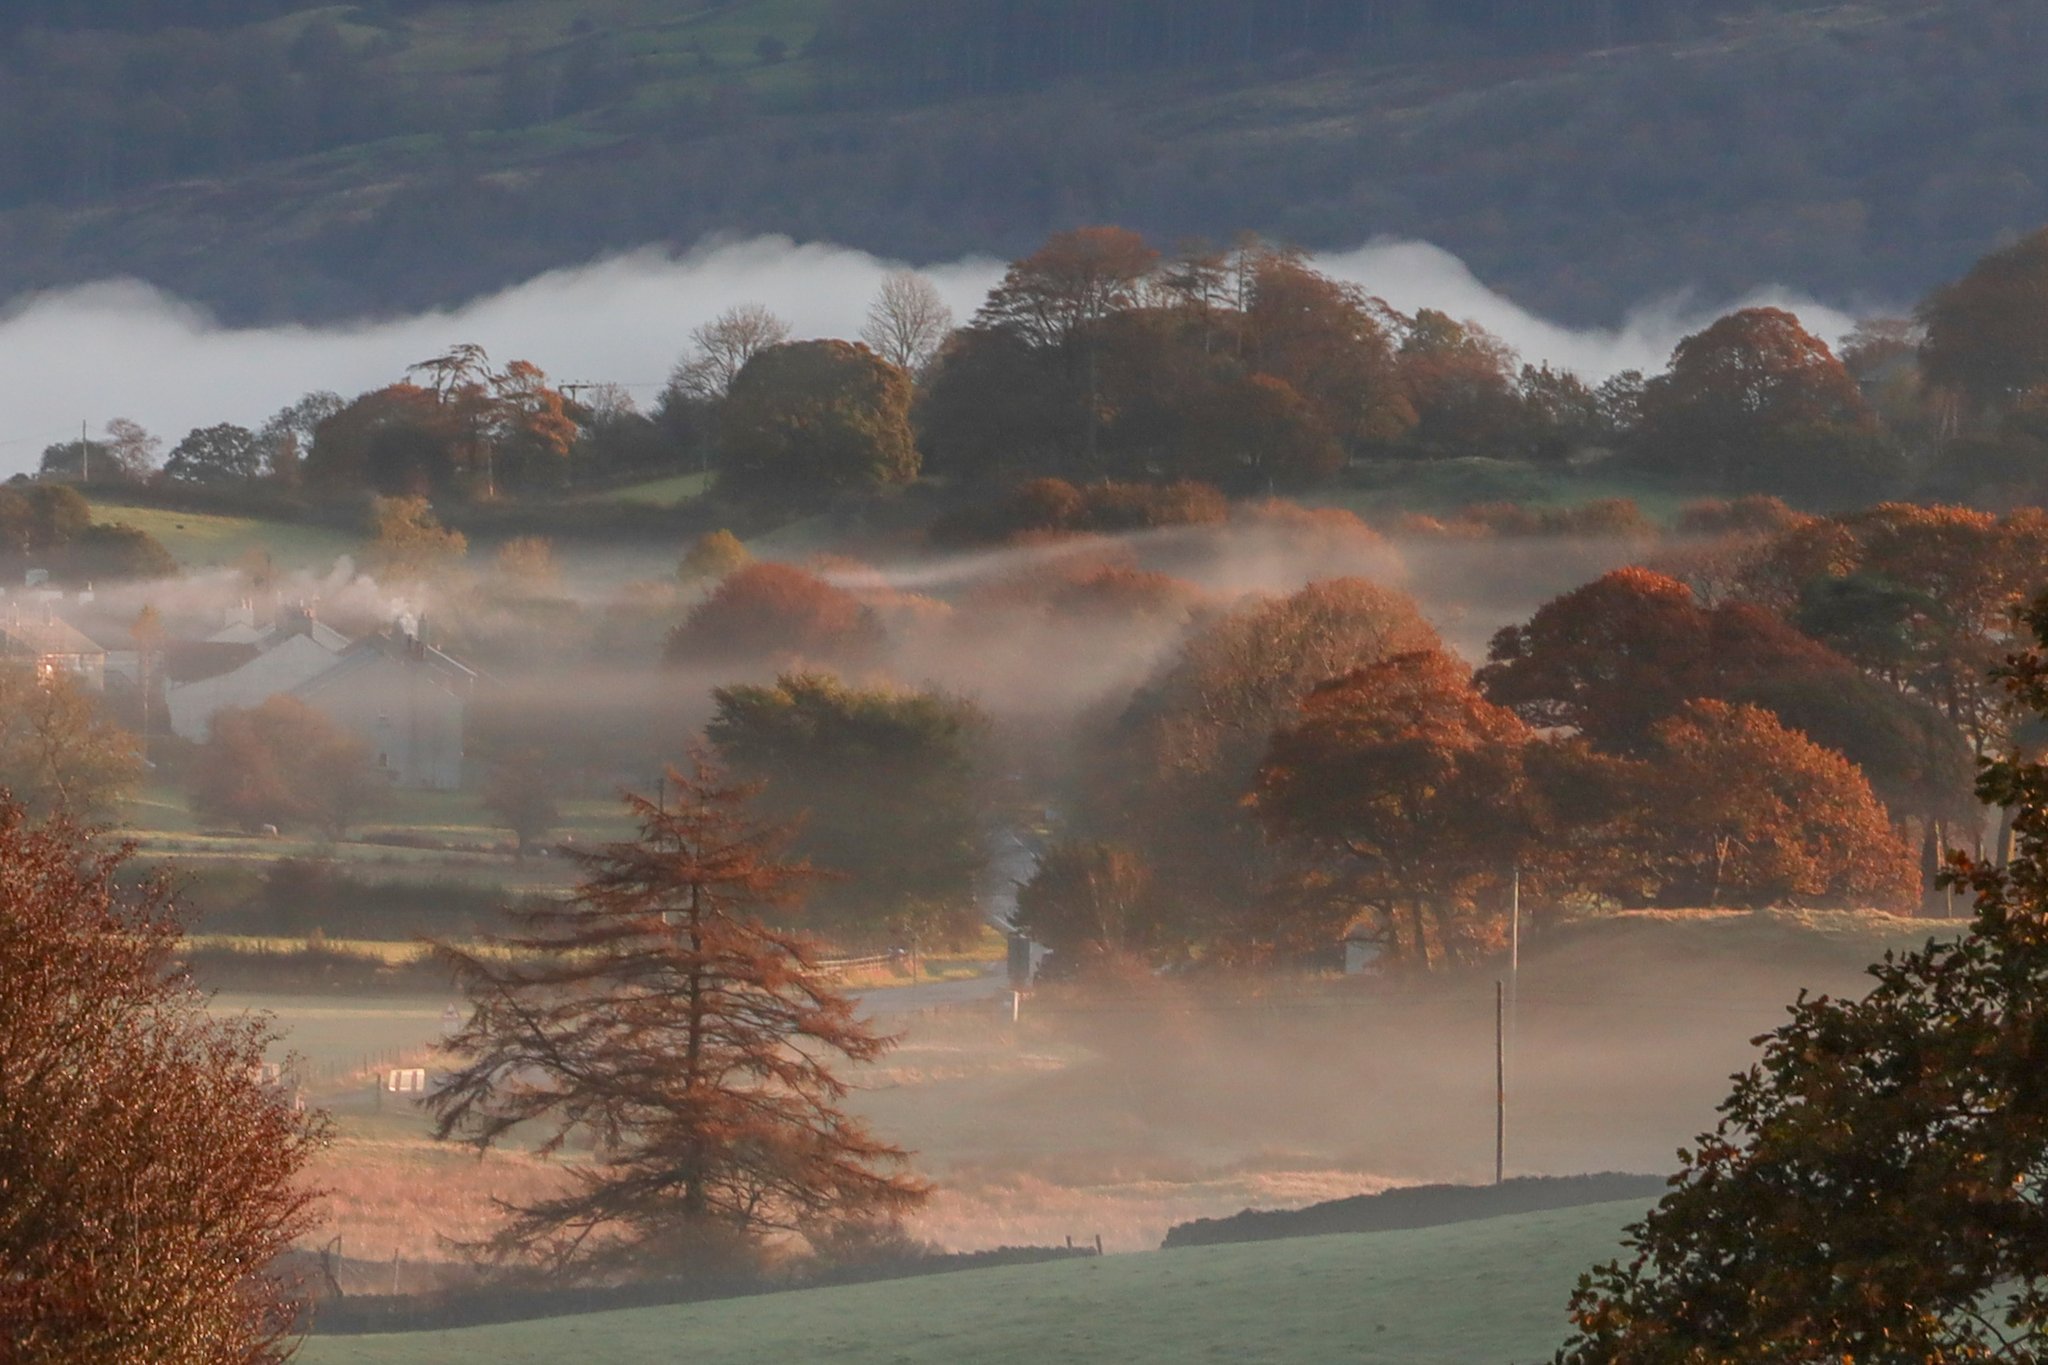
[{"x": 407, "y": 701}]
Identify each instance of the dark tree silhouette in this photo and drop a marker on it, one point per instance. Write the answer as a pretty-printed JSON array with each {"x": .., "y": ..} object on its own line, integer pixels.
[{"x": 656, "y": 1012}]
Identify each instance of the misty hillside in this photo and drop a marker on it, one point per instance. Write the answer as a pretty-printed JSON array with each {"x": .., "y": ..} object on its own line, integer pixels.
[{"x": 277, "y": 160}]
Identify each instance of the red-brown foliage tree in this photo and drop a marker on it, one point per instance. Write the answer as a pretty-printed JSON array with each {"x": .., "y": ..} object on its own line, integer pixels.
[
  {"x": 1184, "y": 753},
  {"x": 1756, "y": 401},
  {"x": 1615, "y": 656},
  {"x": 773, "y": 613},
  {"x": 284, "y": 763},
  {"x": 1734, "y": 809},
  {"x": 1403, "y": 785},
  {"x": 657, "y": 1012},
  {"x": 1091, "y": 903},
  {"x": 148, "y": 1176}
]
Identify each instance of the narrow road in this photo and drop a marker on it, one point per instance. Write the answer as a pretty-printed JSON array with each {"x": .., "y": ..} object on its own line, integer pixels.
[{"x": 989, "y": 986}]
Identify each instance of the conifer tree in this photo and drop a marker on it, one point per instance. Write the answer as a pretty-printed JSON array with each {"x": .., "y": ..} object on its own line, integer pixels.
[{"x": 657, "y": 1012}]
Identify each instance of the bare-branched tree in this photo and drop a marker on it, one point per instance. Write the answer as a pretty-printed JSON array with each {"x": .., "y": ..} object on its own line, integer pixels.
[
  {"x": 721, "y": 348},
  {"x": 907, "y": 322}
]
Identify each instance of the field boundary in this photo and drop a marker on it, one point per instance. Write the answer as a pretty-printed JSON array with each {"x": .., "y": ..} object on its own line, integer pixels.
[{"x": 1417, "y": 1206}]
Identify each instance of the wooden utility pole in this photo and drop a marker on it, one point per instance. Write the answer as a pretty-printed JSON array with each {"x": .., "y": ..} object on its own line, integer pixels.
[
  {"x": 1500, "y": 1084},
  {"x": 1515, "y": 952}
]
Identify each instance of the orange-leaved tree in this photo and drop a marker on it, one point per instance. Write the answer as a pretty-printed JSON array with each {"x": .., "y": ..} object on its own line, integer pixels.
[
  {"x": 1174, "y": 773},
  {"x": 775, "y": 613},
  {"x": 149, "y": 1177},
  {"x": 1735, "y": 809},
  {"x": 1612, "y": 658},
  {"x": 1404, "y": 787},
  {"x": 658, "y": 1012}
]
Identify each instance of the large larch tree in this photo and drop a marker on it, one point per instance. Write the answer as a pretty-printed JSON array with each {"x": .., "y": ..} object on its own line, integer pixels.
[{"x": 658, "y": 1012}]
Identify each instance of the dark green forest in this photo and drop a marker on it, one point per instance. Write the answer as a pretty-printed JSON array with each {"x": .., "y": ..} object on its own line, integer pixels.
[
  {"x": 274, "y": 160},
  {"x": 978, "y": 46}
]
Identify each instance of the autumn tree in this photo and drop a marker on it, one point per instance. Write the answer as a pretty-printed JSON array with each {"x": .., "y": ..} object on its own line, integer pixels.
[
  {"x": 407, "y": 541},
  {"x": 1171, "y": 776},
  {"x": 1611, "y": 658},
  {"x": 657, "y": 1012},
  {"x": 284, "y": 763},
  {"x": 60, "y": 754},
  {"x": 399, "y": 441},
  {"x": 806, "y": 420},
  {"x": 152, "y": 1178},
  {"x": 1738, "y": 810},
  {"x": 1402, "y": 784},
  {"x": 882, "y": 785},
  {"x": 287, "y": 438},
  {"x": 1328, "y": 340},
  {"x": 1919, "y": 596},
  {"x": 907, "y": 322},
  {"x": 767, "y": 612},
  {"x": 519, "y": 790},
  {"x": 1058, "y": 299},
  {"x": 711, "y": 557},
  {"x": 1870, "y": 1191},
  {"x": 1756, "y": 403},
  {"x": 527, "y": 562},
  {"x": 1460, "y": 379}
]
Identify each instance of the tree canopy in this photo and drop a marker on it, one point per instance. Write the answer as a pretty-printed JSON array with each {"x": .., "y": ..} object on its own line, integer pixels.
[{"x": 1870, "y": 1191}]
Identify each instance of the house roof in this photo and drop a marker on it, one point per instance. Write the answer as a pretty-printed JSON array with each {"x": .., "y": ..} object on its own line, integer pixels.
[
  {"x": 41, "y": 636},
  {"x": 374, "y": 650},
  {"x": 267, "y": 637}
]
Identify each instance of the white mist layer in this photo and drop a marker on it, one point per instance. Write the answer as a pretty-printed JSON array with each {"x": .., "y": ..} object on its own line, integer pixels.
[{"x": 124, "y": 349}]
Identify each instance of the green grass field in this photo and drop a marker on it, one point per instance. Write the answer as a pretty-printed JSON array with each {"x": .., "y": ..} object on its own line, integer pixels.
[
  {"x": 668, "y": 492},
  {"x": 199, "y": 540},
  {"x": 1392, "y": 487},
  {"x": 1484, "y": 1293}
]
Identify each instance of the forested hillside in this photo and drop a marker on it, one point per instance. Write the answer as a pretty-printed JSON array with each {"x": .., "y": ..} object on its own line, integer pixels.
[{"x": 279, "y": 160}]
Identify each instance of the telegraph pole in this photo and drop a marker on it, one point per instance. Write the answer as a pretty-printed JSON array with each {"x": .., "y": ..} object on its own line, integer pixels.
[
  {"x": 1515, "y": 951},
  {"x": 1500, "y": 1085}
]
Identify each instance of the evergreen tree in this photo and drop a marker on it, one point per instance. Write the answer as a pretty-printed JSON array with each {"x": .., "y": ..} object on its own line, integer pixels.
[{"x": 656, "y": 1012}]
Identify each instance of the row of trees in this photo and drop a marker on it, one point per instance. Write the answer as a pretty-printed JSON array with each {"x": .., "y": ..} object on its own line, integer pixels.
[
  {"x": 1099, "y": 357},
  {"x": 1316, "y": 765}
]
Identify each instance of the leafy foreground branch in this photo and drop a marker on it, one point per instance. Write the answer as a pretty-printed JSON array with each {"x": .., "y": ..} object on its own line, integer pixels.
[
  {"x": 148, "y": 1174},
  {"x": 1873, "y": 1191},
  {"x": 656, "y": 1013}
]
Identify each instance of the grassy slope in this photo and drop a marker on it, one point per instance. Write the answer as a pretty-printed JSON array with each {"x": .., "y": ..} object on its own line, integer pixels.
[
  {"x": 1475, "y": 1292},
  {"x": 199, "y": 540}
]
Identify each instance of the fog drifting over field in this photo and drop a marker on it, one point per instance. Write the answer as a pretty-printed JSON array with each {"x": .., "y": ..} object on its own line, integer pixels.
[{"x": 125, "y": 349}]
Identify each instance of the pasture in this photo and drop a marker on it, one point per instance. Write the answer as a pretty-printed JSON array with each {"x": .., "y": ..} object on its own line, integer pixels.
[
  {"x": 205, "y": 540},
  {"x": 1491, "y": 1291}
]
